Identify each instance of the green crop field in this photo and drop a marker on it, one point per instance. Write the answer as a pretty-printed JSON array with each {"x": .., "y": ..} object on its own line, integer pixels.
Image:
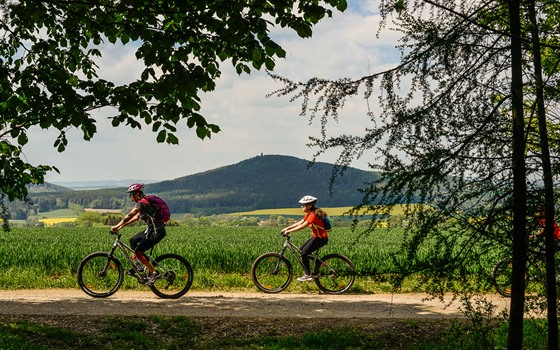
[{"x": 220, "y": 256}]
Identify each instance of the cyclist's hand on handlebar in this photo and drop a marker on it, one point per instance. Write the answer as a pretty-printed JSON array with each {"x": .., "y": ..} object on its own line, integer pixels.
[{"x": 284, "y": 233}]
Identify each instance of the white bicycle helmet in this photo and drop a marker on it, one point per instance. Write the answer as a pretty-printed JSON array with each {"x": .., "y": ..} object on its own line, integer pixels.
[{"x": 307, "y": 200}]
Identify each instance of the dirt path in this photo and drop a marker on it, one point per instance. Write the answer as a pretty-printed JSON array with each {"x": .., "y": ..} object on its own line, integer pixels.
[{"x": 73, "y": 302}]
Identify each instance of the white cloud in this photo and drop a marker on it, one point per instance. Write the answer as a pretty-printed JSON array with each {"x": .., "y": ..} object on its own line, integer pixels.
[{"x": 344, "y": 46}]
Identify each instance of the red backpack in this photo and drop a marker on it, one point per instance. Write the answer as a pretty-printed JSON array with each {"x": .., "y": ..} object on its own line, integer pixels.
[{"x": 162, "y": 209}]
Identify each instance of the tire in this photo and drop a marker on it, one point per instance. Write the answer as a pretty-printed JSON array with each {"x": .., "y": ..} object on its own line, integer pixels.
[
  {"x": 501, "y": 277},
  {"x": 335, "y": 275},
  {"x": 99, "y": 275},
  {"x": 177, "y": 276},
  {"x": 271, "y": 273}
]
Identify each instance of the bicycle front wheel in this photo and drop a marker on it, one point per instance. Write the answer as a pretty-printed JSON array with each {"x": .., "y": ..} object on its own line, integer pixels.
[
  {"x": 334, "y": 274},
  {"x": 501, "y": 277},
  {"x": 100, "y": 275},
  {"x": 271, "y": 273},
  {"x": 176, "y": 276}
]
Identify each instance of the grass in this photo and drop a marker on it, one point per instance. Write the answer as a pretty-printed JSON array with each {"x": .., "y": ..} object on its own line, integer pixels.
[{"x": 161, "y": 332}]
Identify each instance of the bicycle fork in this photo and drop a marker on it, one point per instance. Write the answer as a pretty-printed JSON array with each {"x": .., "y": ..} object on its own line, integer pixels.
[
  {"x": 278, "y": 263},
  {"x": 110, "y": 256}
]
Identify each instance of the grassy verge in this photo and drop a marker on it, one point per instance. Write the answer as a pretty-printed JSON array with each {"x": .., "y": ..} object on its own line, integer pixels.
[{"x": 73, "y": 332}]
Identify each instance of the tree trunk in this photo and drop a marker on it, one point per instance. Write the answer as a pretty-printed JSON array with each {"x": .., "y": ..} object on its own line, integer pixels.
[
  {"x": 548, "y": 187},
  {"x": 515, "y": 335}
]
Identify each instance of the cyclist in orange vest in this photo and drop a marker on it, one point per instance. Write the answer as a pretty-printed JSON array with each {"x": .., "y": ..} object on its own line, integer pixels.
[{"x": 313, "y": 219}]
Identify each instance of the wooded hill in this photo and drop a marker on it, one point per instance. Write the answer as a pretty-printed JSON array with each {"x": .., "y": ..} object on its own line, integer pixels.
[{"x": 262, "y": 182}]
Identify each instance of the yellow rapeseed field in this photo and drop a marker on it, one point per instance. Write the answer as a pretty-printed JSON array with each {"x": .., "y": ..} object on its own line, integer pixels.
[
  {"x": 338, "y": 211},
  {"x": 54, "y": 221}
]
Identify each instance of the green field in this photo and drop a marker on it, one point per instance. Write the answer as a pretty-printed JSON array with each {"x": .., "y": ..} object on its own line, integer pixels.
[{"x": 221, "y": 256}]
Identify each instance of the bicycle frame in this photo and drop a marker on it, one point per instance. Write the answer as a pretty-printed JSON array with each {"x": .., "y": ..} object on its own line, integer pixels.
[
  {"x": 296, "y": 252},
  {"x": 126, "y": 250}
]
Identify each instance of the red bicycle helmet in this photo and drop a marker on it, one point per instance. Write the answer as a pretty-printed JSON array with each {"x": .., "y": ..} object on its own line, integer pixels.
[{"x": 136, "y": 188}]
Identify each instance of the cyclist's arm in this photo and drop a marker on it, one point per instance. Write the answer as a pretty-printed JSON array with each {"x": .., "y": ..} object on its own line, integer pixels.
[
  {"x": 295, "y": 227},
  {"x": 129, "y": 218}
]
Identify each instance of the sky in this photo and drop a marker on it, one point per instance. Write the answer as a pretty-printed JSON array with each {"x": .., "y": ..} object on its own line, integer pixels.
[{"x": 251, "y": 124}]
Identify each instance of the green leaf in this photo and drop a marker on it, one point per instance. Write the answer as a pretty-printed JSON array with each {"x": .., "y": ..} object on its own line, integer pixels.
[
  {"x": 257, "y": 55},
  {"x": 172, "y": 139},
  {"x": 73, "y": 80},
  {"x": 280, "y": 52},
  {"x": 161, "y": 136},
  {"x": 342, "y": 5},
  {"x": 214, "y": 128},
  {"x": 202, "y": 132},
  {"x": 269, "y": 63},
  {"x": 22, "y": 139}
]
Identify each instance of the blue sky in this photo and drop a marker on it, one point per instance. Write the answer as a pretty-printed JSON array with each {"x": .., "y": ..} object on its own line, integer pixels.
[{"x": 343, "y": 46}]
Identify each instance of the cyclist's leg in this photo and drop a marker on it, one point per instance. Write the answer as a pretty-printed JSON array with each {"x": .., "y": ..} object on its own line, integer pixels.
[
  {"x": 134, "y": 242},
  {"x": 305, "y": 251},
  {"x": 313, "y": 244},
  {"x": 149, "y": 238},
  {"x": 136, "y": 239}
]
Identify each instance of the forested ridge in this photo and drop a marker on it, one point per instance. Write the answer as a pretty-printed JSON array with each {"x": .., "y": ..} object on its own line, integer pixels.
[{"x": 261, "y": 182}]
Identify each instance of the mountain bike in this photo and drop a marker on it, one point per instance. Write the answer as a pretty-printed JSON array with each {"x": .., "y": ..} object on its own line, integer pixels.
[
  {"x": 535, "y": 274},
  {"x": 101, "y": 274},
  {"x": 272, "y": 272}
]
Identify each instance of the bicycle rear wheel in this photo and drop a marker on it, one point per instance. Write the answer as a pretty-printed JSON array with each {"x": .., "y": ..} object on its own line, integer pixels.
[
  {"x": 176, "y": 276},
  {"x": 501, "y": 277},
  {"x": 271, "y": 273},
  {"x": 99, "y": 275},
  {"x": 335, "y": 274}
]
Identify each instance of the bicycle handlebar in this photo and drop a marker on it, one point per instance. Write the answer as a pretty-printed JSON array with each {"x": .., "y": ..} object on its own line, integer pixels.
[{"x": 287, "y": 237}]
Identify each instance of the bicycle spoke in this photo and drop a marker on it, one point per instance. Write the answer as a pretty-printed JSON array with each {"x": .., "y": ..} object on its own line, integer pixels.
[
  {"x": 176, "y": 276},
  {"x": 501, "y": 277},
  {"x": 271, "y": 273},
  {"x": 100, "y": 276},
  {"x": 335, "y": 274}
]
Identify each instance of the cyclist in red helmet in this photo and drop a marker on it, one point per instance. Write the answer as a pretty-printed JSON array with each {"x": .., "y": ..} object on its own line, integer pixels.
[
  {"x": 144, "y": 240},
  {"x": 541, "y": 223}
]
